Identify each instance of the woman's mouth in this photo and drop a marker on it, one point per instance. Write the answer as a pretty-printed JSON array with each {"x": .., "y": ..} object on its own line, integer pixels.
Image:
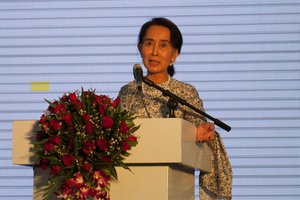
[{"x": 153, "y": 62}]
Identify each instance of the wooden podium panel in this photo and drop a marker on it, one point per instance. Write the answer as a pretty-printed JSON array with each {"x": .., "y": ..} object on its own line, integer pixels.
[
  {"x": 163, "y": 140},
  {"x": 169, "y": 140},
  {"x": 162, "y": 163},
  {"x": 154, "y": 182},
  {"x": 143, "y": 183},
  {"x": 23, "y": 139}
]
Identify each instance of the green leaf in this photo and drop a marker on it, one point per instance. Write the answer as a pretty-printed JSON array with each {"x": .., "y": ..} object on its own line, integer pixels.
[
  {"x": 49, "y": 102},
  {"x": 132, "y": 143},
  {"x": 112, "y": 171},
  {"x": 134, "y": 129},
  {"x": 75, "y": 146},
  {"x": 52, "y": 186},
  {"x": 122, "y": 164}
]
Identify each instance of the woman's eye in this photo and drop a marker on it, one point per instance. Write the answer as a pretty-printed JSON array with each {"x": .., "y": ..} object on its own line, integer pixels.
[
  {"x": 164, "y": 45},
  {"x": 148, "y": 43}
]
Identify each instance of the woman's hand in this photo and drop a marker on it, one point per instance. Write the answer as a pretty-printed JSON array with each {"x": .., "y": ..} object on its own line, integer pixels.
[{"x": 205, "y": 132}]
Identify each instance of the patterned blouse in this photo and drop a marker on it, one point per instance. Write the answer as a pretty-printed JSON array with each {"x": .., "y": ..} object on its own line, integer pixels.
[{"x": 150, "y": 103}]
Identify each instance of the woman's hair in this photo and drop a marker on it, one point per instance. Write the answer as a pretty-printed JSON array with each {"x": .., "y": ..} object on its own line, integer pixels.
[{"x": 175, "y": 37}]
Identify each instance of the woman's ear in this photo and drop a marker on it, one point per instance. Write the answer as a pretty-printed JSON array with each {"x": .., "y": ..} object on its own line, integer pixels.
[
  {"x": 139, "y": 46},
  {"x": 175, "y": 54}
]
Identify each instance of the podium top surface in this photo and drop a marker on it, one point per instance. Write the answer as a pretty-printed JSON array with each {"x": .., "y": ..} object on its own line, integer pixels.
[{"x": 160, "y": 141}]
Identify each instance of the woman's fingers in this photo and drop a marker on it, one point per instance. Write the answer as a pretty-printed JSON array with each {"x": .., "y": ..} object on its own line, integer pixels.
[{"x": 205, "y": 132}]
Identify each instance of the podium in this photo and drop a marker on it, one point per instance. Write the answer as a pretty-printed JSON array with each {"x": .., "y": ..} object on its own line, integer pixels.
[{"x": 162, "y": 164}]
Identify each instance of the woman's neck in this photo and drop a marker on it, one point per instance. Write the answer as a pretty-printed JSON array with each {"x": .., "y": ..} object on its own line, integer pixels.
[{"x": 158, "y": 78}]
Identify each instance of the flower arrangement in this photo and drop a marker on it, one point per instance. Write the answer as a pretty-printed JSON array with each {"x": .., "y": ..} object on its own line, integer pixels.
[{"x": 82, "y": 137}]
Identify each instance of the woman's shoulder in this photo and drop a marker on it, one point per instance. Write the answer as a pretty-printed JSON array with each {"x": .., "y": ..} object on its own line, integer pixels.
[
  {"x": 128, "y": 89},
  {"x": 128, "y": 86},
  {"x": 183, "y": 85}
]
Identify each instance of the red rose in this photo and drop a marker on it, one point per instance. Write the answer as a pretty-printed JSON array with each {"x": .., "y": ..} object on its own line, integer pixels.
[
  {"x": 84, "y": 191},
  {"x": 106, "y": 159},
  {"x": 66, "y": 190},
  {"x": 54, "y": 139},
  {"x": 60, "y": 108},
  {"x": 87, "y": 93},
  {"x": 43, "y": 119},
  {"x": 68, "y": 160},
  {"x": 55, "y": 125},
  {"x": 107, "y": 122},
  {"x": 86, "y": 166},
  {"x": 125, "y": 146},
  {"x": 124, "y": 128},
  {"x": 89, "y": 127},
  {"x": 73, "y": 97},
  {"x": 100, "y": 175},
  {"x": 116, "y": 102},
  {"x": 86, "y": 117},
  {"x": 92, "y": 192},
  {"x": 88, "y": 147},
  {"x": 131, "y": 138},
  {"x": 102, "y": 109},
  {"x": 97, "y": 99},
  {"x": 79, "y": 105},
  {"x": 49, "y": 147},
  {"x": 106, "y": 99},
  {"x": 78, "y": 180},
  {"x": 45, "y": 126},
  {"x": 64, "y": 98},
  {"x": 70, "y": 182},
  {"x": 68, "y": 119},
  {"x": 101, "y": 178},
  {"x": 54, "y": 170},
  {"x": 43, "y": 164},
  {"x": 102, "y": 144}
]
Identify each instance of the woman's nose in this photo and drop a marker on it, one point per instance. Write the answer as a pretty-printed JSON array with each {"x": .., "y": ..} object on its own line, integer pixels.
[{"x": 155, "y": 50}]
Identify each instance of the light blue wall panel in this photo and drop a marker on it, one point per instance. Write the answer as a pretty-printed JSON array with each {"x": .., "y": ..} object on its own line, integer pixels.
[{"x": 242, "y": 56}]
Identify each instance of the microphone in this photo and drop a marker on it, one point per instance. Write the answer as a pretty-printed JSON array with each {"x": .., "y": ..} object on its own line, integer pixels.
[{"x": 138, "y": 76}]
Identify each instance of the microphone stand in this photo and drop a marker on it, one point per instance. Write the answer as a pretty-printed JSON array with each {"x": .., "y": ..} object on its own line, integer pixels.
[{"x": 174, "y": 98}]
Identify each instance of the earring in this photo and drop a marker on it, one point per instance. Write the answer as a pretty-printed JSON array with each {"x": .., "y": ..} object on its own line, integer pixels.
[{"x": 172, "y": 62}]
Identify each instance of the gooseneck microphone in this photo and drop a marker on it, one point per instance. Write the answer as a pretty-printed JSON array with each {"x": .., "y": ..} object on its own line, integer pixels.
[
  {"x": 183, "y": 102},
  {"x": 138, "y": 76}
]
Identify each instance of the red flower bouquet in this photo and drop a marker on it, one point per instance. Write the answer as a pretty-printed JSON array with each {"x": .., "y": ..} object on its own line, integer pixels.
[{"x": 82, "y": 137}]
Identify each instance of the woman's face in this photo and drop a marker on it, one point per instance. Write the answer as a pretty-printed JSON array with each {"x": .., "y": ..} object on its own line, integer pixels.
[{"x": 157, "y": 51}]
